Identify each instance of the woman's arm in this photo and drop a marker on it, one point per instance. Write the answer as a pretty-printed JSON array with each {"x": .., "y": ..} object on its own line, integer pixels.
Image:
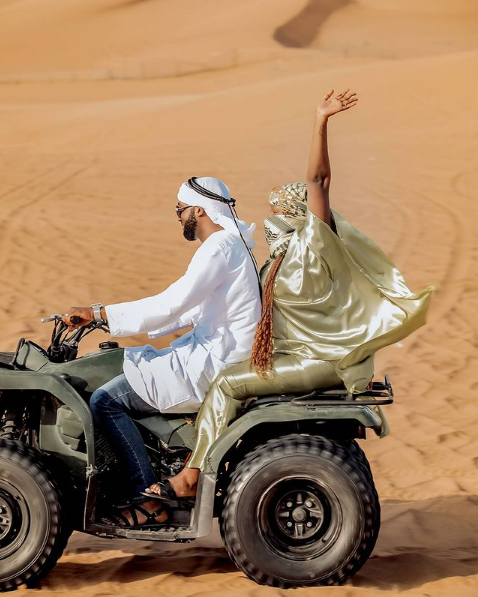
[{"x": 318, "y": 168}]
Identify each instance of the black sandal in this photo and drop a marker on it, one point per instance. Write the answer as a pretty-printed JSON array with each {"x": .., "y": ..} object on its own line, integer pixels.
[
  {"x": 126, "y": 503},
  {"x": 168, "y": 496},
  {"x": 119, "y": 519}
]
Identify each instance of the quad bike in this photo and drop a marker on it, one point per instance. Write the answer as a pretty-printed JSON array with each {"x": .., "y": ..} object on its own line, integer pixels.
[{"x": 291, "y": 487}]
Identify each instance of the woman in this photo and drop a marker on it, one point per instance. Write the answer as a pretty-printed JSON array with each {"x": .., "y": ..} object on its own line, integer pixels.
[{"x": 331, "y": 299}]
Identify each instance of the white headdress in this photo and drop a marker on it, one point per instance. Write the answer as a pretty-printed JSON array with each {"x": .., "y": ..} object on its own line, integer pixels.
[{"x": 219, "y": 212}]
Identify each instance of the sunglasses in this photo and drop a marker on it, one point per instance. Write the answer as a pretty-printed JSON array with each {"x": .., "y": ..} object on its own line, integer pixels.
[{"x": 179, "y": 210}]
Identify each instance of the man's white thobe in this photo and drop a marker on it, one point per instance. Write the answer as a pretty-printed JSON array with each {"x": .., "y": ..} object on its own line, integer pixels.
[{"x": 219, "y": 296}]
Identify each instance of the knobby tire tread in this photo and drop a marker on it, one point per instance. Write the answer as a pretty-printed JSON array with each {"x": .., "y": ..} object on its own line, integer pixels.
[
  {"x": 349, "y": 456},
  {"x": 33, "y": 463}
]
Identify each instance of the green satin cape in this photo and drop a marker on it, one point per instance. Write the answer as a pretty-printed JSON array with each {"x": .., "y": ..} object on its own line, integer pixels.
[{"x": 338, "y": 297}]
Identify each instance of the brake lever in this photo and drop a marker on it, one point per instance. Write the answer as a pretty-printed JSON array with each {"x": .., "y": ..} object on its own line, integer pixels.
[
  {"x": 52, "y": 318},
  {"x": 75, "y": 320}
]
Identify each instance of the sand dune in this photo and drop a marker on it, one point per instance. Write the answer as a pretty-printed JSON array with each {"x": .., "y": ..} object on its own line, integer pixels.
[{"x": 106, "y": 106}]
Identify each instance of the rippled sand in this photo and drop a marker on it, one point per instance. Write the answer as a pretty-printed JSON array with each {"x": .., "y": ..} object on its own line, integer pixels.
[{"x": 107, "y": 106}]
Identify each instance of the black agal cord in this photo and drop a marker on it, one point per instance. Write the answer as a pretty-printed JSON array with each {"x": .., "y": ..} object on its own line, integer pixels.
[
  {"x": 231, "y": 203},
  {"x": 193, "y": 184}
]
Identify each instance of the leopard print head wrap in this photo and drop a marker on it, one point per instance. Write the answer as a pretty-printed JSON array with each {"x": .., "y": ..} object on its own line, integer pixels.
[{"x": 291, "y": 199}]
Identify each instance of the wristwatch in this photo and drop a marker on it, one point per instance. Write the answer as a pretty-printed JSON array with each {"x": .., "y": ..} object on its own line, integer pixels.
[{"x": 97, "y": 312}]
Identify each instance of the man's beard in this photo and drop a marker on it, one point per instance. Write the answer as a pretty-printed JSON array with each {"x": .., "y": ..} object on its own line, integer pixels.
[{"x": 189, "y": 229}]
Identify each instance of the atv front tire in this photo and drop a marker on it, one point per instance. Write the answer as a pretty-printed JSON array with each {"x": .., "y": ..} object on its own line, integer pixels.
[
  {"x": 300, "y": 511},
  {"x": 33, "y": 526}
]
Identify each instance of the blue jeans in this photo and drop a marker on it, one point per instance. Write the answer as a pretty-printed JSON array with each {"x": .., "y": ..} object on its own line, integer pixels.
[{"x": 113, "y": 406}]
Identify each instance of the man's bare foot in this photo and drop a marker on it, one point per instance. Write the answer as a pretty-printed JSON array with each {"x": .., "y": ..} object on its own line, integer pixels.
[
  {"x": 144, "y": 514},
  {"x": 184, "y": 484}
]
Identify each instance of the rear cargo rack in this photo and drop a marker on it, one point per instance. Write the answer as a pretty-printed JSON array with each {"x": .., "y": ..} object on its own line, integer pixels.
[{"x": 380, "y": 392}]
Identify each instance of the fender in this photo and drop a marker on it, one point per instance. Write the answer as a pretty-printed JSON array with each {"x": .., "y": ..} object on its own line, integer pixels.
[
  {"x": 286, "y": 413},
  {"x": 61, "y": 389}
]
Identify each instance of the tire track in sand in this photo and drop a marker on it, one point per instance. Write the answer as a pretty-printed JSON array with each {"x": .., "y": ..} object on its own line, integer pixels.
[{"x": 56, "y": 178}]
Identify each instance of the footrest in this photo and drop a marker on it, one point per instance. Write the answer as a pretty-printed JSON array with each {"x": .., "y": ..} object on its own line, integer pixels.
[{"x": 166, "y": 533}]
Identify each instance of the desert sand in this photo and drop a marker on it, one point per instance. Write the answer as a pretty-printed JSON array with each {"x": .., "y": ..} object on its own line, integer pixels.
[{"x": 106, "y": 106}]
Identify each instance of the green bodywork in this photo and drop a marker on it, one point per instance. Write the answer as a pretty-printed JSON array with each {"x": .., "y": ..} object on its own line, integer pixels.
[
  {"x": 287, "y": 413},
  {"x": 73, "y": 382}
]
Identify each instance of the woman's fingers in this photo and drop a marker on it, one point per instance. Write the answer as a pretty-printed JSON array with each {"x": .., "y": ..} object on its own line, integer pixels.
[
  {"x": 349, "y": 105},
  {"x": 341, "y": 95},
  {"x": 346, "y": 95},
  {"x": 347, "y": 99}
]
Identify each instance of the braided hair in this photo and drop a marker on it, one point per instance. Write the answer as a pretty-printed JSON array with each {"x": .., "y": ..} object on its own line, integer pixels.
[
  {"x": 262, "y": 350},
  {"x": 292, "y": 199}
]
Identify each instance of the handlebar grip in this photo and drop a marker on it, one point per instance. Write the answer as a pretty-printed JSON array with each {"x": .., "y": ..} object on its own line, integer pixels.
[{"x": 75, "y": 320}]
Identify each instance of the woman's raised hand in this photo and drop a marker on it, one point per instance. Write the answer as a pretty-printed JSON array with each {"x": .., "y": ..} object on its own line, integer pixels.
[{"x": 331, "y": 104}]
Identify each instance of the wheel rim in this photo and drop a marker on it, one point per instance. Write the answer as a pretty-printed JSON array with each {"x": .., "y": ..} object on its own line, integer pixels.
[
  {"x": 299, "y": 517},
  {"x": 14, "y": 519}
]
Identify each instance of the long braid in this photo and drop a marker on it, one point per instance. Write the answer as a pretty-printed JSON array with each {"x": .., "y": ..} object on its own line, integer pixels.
[
  {"x": 262, "y": 351},
  {"x": 291, "y": 199}
]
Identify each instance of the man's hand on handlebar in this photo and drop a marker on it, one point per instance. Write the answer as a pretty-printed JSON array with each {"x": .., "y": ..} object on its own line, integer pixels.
[{"x": 77, "y": 317}]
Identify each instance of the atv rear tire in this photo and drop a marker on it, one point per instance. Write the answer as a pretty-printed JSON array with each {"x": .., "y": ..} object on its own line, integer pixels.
[
  {"x": 33, "y": 525},
  {"x": 353, "y": 448},
  {"x": 300, "y": 511}
]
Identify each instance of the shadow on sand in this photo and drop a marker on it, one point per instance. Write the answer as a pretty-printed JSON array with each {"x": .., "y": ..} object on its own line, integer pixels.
[
  {"x": 301, "y": 30},
  {"x": 420, "y": 542}
]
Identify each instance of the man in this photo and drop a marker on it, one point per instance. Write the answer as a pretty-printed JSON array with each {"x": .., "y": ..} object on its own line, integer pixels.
[{"x": 218, "y": 295}]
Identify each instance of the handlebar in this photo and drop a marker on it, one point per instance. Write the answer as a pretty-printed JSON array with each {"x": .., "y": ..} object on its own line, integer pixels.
[{"x": 64, "y": 342}]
